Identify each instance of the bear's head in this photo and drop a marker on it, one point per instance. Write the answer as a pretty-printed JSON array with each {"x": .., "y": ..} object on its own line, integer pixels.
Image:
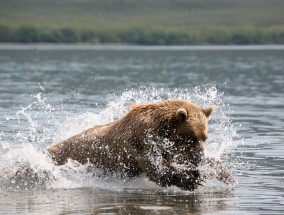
[
  {"x": 188, "y": 130},
  {"x": 178, "y": 127}
]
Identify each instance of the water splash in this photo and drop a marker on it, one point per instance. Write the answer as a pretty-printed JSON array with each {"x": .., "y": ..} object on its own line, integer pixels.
[{"x": 24, "y": 165}]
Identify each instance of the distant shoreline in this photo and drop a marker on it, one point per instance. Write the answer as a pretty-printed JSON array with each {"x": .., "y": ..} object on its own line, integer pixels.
[
  {"x": 147, "y": 22},
  {"x": 129, "y": 47},
  {"x": 143, "y": 36}
]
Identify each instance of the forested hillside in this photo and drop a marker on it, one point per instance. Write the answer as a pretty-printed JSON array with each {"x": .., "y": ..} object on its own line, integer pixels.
[{"x": 152, "y": 22}]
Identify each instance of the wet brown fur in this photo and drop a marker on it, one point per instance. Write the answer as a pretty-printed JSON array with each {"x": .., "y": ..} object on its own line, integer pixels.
[{"x": 129, "y": 144}]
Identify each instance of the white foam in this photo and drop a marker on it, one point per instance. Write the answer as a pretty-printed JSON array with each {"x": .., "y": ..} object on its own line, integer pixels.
[{"x": 24, "y": 165}]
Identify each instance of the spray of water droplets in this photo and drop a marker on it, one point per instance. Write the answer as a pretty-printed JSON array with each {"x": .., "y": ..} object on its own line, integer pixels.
[{"x": 25, "y": 165}]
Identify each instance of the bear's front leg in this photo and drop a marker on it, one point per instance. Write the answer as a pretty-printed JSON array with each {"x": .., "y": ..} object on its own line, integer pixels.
[
  {"x": 166, "y": 175},
  {"x": 213, "y": 168},
  {"x": 185, "y": 179}
]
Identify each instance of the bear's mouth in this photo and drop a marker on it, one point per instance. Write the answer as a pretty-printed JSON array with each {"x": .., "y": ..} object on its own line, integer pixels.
[
  {"x": 189, "y": 159},
  {"x": 189, "y": 163}
]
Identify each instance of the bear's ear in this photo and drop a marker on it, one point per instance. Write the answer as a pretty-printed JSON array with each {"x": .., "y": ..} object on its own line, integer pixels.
[
  {"x": 208, "y": 111},
  {"x": 181, "y": 115}
]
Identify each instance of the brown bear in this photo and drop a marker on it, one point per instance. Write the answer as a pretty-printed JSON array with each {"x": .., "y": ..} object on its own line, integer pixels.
[{"x": 162, "y": 140}]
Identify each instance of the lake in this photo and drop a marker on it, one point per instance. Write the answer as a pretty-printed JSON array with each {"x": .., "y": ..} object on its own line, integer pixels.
[{"x": 51, "y": 92}]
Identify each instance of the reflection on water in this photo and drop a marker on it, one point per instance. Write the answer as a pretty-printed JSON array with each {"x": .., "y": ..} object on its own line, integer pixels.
[
  {"x": 133, "y": 201},
  {"x": 50, "y": 93}
]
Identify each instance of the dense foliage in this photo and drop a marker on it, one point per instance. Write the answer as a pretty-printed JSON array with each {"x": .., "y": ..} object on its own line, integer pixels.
[
  {"x": 159, "y": 22},
  {"x": 29, "y": 34}
]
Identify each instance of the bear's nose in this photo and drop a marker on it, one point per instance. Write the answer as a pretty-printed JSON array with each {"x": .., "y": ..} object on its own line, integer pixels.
[{"x": 204, "y": 137}]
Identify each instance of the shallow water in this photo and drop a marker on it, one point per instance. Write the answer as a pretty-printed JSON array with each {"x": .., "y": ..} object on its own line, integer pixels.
[{"x": 49, "y": 93}]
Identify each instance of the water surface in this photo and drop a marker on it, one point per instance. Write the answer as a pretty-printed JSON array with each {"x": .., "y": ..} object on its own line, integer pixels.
[{"x": 49, "y": 93}]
